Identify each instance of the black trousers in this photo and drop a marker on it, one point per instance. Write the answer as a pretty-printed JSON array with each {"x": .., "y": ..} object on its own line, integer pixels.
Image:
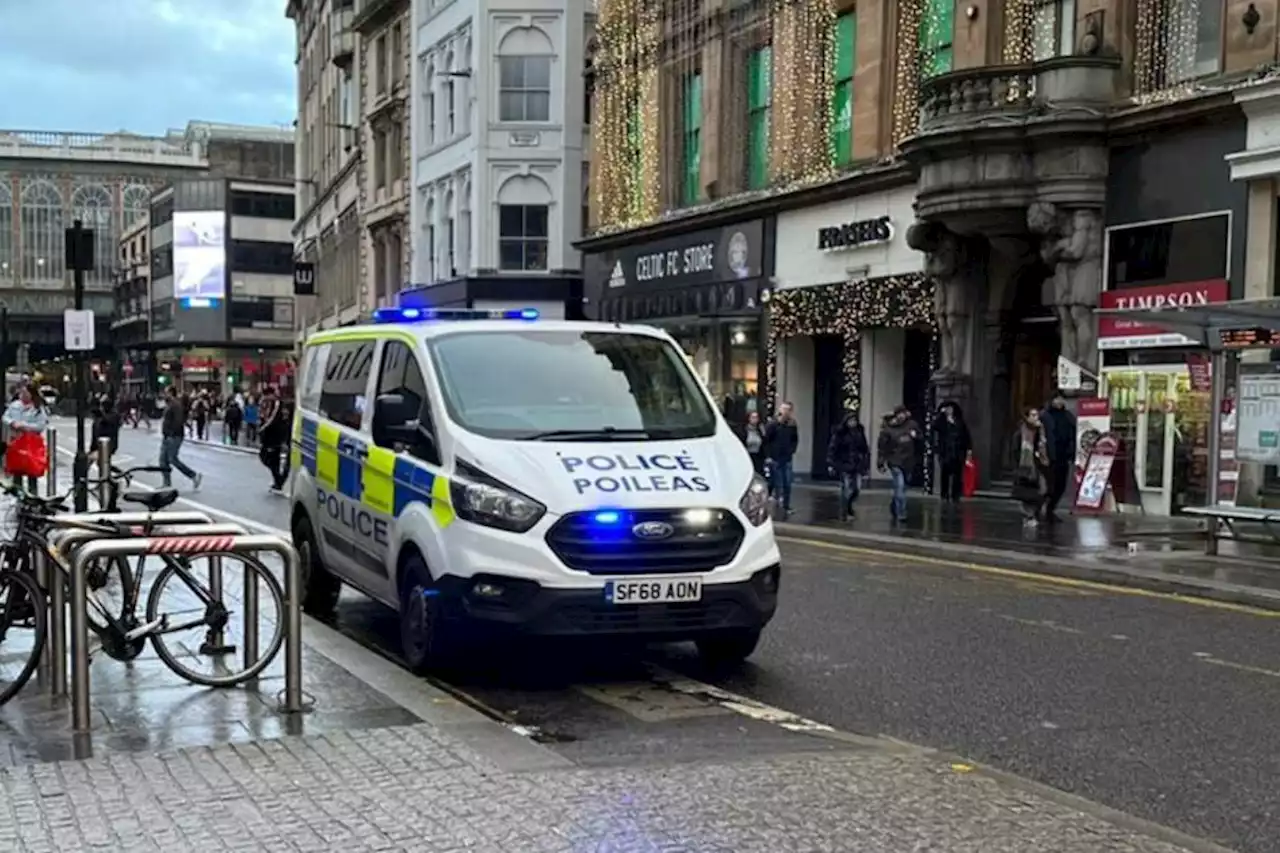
[
  {"x": 951, "y": 480},
  {"x": 272, "y": 456},
  {"x": 1060, "y": 476}
]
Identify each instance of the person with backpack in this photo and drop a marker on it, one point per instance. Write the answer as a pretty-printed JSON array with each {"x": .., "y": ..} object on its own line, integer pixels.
[{"x": 274, "y": 433}]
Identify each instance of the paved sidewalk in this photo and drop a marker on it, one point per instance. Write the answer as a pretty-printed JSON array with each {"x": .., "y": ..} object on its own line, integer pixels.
[
  {"x": 409, "y": 788},
  {"x": 990, "y": 531}
]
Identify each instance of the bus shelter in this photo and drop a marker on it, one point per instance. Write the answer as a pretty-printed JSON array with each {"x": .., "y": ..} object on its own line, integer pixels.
[{"x": 1228, "y": 330}]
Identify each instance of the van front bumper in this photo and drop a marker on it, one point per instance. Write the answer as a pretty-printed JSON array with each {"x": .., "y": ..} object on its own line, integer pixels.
[{"x": 525, "y": 608}]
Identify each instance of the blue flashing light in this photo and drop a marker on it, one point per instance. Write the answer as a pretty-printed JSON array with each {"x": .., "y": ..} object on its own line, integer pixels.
[
  {"x": 418, "y": 315},
  {"x": 607, "y": 517}
]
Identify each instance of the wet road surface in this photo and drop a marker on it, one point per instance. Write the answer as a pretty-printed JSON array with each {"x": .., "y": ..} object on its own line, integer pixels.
[{"x": 1161, "y": 708}]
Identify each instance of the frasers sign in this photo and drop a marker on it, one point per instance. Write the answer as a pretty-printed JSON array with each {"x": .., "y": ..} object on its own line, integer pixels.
[
  {"x": 612, "y": 473},
  {"x": 1120, "y": 333}
]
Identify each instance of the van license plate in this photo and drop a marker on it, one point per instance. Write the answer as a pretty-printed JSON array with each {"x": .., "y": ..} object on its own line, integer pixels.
[{"x": 653, "y": 590}]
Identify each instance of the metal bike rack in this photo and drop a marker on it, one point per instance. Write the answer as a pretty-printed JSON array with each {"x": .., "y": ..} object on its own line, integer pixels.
[
  {"x": 104, "y": 472},
  {"x": 80, "y": 709},
  {"x": 55, "y": 649},
  {"x": 45, "y": 670},
  {"x": 51, "y": 473}
]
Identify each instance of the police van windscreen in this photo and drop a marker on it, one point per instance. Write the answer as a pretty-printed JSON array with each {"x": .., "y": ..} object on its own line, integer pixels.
[{"x": 570, "y": 385}]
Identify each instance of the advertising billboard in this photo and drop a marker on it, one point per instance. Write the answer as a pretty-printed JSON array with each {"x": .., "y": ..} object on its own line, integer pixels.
[{"x": 199, "y": 256}]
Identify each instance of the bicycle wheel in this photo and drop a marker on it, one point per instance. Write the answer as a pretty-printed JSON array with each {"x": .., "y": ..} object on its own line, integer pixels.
[
  {"x": 193, "y": 594},
  {"x": 23, "y": 620}
]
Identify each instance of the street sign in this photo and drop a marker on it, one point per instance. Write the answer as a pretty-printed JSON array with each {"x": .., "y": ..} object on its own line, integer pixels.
[
  {"x": 304, "y": 278},
  {"x": 77, "y": 329},
  {"x": 1068, "y": 375}
]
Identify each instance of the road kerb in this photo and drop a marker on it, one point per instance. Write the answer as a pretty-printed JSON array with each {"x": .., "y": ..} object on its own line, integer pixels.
[{"x": 1116, "y": 574}]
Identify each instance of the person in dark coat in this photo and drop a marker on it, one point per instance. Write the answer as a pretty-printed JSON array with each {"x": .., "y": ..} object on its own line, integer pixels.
[
  {"x": 896, "y": 446},
  {"x": 1029, "y": 455},
  {"x": 781, "y": 438},
  {"x": 849, "y": 458},
  {"x": 1060, "y": 437},
  {"x": 952, "y": 445}
]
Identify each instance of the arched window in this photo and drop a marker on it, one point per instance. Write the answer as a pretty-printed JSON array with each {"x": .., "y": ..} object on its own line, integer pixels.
[
  {"x": 8, "y": 262},
  {"x": 137, "y": 202},
  {"x": 450, "y": 238},
  {"x": 92, "y": 205},
  {"x": 429, "y": 101},
  {"x": 450, "y": 98},
  {"x": 524, "y": 76},
  {"x": 524, "y": 204},
  {"x": 429, "y": 224},
  {"x": 43, "y": 222},
  {"x": 467, "y": 99},
  {"x": 464, "y": 227}
]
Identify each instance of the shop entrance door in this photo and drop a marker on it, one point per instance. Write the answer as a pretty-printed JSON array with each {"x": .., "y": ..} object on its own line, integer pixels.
[{"x": 1165, "y": 426}]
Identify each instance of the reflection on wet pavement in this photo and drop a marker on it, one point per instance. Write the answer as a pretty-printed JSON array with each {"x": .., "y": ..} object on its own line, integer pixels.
[{"x": 141, "y": 705}]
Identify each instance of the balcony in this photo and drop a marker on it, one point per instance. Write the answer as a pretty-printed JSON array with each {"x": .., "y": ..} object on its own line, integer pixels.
[
  {"x": 975, "y": 96},
  {"x": 342, "y": 37}
]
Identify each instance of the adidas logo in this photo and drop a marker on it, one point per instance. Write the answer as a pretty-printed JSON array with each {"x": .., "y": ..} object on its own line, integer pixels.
[{"x": 618, "y": 278}]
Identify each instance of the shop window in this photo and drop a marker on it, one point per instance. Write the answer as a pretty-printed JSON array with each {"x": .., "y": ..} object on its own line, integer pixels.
[
  {"x": 522, "y": 236},
  {"x": 1182, "y": 250},
  {"x": 846, "y": 51},
  {"x": 1053, "y": 28},
  {"x": 692, "y": 154},
  {"x": 937, "y": 35},
  {"x": 759, "y": 109}
]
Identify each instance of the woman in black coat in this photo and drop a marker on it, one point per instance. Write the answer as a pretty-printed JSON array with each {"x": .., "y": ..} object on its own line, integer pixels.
[
  {"x": 952, "y": 445},
  {"x": 849, "y": 457}
]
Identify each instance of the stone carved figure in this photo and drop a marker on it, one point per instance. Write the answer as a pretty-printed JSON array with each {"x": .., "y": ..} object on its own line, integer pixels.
[
  {"x": 1071, "y": 246},
  {"x": 946, "y": 260}
]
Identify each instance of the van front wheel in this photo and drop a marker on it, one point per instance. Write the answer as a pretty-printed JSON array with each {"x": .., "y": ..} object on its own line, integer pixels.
[
  {"x": 423, "y": 640},
  {"x": 320, "y": 589}
]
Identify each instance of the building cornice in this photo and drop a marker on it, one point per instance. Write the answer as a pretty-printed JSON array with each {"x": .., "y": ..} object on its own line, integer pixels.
[{"x": 876, "y": 178}]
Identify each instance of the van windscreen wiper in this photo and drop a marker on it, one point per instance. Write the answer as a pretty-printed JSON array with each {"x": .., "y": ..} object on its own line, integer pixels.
[{"x": 607, "y": 433}]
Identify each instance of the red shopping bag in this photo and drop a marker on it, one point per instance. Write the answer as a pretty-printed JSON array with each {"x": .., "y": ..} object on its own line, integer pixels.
[
  {"x": 26, "y": 456},
  {"x": 969, "y": 482}
]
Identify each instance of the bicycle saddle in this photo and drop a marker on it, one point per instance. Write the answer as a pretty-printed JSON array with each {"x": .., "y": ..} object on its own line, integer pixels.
[{"x": 154, "y": 501}]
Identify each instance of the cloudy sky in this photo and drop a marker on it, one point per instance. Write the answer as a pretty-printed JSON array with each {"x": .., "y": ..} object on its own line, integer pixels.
[{"x": 144, "y": 65}]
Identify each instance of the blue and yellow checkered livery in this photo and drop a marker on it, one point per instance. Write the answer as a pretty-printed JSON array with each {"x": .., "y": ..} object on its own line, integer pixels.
[{"x": 379, "y": 479}]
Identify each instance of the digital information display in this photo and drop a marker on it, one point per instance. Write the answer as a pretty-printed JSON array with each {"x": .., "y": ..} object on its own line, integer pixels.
[
  {"x": 1249, "y": 338},
  {"x": 199, "y": 257}
]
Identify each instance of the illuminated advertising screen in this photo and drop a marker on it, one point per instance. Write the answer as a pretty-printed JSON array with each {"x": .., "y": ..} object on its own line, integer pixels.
[{"x": 199, "y": 256}]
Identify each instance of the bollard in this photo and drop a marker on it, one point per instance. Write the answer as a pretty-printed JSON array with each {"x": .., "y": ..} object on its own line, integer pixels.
[
  {"x": 57, "y": 650},
  {"x": 80, "y": 712},
  {"x": 252, "y": 619},
  {"x": 51, "y": 475},
  {"x": 215, "y": 641},
  {"x": 46, "y": 657},
  {"x": 104, "y": 473}
]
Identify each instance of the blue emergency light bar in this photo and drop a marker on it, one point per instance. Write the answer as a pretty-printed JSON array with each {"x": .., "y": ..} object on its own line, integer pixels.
[{"x": 420, "y": 315}]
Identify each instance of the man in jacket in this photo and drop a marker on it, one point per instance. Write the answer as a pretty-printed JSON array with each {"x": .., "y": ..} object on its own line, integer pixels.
[
  {"x": 275, "y": 435},
  {"x": 781, "y": 439},
  {"x": 173, "y": 429},
  {"x": 1060, "y": 434},
  {"x": 897, "y": 453},
  {"x": 849, "y": 457}
]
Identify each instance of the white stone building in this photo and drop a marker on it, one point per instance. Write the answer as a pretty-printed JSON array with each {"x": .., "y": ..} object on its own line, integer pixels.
[{"x": 498, "y": 148}]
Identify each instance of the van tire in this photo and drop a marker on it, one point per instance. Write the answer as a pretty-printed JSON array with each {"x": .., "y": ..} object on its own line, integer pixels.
[
  {"x": 728, "y": 648},
  {"x": 424, "y": 640},
  {"x": 320, "y": 589}
]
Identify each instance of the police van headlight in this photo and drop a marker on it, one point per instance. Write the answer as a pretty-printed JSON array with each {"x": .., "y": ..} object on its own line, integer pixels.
[
  {"x": 755, "y": 501},
  {"x": 481, "y": 499}
]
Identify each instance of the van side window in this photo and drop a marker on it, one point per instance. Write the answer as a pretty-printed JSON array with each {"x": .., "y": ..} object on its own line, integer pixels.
[
  {"x": 402, "y": 375},
  {"x": 313, "y": 364},
  {"x": 346, "y": 377}
]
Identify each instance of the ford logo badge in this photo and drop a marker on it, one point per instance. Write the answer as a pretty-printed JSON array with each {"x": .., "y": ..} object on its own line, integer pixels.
[{"x": 653, "y": 530}]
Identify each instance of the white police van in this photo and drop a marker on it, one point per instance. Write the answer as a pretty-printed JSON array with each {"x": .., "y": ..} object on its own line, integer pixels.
[{"x": 507, "y": 476}]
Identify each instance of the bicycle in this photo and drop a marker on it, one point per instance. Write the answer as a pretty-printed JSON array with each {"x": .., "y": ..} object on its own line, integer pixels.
[
  {"x": 22, "y": 605},
  {"x": 122, "y": 635}
]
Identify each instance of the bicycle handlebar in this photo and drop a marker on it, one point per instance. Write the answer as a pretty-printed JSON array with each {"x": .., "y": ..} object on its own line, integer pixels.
[{"x": 58, "y": 502}]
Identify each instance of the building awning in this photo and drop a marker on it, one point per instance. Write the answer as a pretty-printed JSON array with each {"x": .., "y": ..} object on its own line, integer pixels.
[{"x": 1204, "y": 324}]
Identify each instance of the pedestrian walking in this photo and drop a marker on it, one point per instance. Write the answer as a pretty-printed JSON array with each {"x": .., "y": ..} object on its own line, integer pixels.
[
  {"x": 849, "y": 458},
  {"x": 200, "y": 414},
  {"x": 173, "y": 429},
  {"x": 1030, "y": 451},
  {"x": 952, "y": 445},
  {"x": 781, "y": 438},
  {"x": 753, "y": 438},
  {"x": 1060, "y": 437},
  {"x": 232, "y": 418},
  {"x": 26, "y": 418},
  {"x": 274, "y": 433},
  {"x": 251, "y": 415},
  {"x": 896, "y": 450}
]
